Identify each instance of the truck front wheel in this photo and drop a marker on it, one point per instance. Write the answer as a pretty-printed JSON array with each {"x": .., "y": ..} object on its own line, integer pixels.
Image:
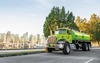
[{"x": 66, "y": 49}]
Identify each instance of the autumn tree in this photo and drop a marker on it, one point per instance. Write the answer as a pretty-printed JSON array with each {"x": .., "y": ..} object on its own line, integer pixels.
[
  {"x": 94, "y": 25},
  {"x": 91, "y": 27}
]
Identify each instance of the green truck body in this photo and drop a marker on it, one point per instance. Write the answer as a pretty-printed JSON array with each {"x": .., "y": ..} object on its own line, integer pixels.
[
  {"x": 70, "y": 37},
  {"x": 80, "y": 36}
]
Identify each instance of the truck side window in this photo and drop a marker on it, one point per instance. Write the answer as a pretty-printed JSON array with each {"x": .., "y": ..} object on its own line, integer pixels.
[
  {"x": 61, "y": 31},
  {"x": 69, "y": 31}
]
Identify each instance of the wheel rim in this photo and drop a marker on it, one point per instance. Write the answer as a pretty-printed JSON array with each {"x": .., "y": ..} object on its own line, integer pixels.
[{"x": 67, "y": 49}]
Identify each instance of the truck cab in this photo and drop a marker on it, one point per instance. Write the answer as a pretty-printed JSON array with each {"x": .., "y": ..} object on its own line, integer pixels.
[{"x": 63, "y": 34}]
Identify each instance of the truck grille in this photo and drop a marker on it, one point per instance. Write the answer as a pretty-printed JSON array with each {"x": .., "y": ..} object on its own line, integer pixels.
[{"x": 52, "y": 39}]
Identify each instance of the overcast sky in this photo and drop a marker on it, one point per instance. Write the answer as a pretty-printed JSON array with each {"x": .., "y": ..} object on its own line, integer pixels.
[{"x": 20, "y": 16}]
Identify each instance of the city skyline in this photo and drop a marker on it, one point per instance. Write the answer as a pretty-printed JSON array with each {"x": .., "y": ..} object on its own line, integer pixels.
[
  {"x": 20, "y": 16},
  {"x": 14, "y": 41}
]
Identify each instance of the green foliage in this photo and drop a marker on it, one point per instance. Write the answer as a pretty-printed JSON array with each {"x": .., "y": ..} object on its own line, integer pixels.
[
  {"x": 96, "y": 32},
  {"x": 58, "y": 18}
]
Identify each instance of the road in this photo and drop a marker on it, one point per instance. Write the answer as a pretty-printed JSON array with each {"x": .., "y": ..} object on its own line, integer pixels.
[{"x": 92, "y": 56}]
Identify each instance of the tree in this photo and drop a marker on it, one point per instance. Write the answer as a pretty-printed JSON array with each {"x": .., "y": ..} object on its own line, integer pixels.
[
  {"x": 58, "y": 18},
  {"x": 91, "y": 27},
  {"x": 96, "y": 34},
  {"x": 69, "y": 21},
  {"x": 46, "y": 30},
  {"x": 83, "y": 25},
  {"x": 95, "y": 27},
  {"x": 78, "y": 21},
  {"x": 50, "y": 23},
  {"x": 62, "y": 17}
]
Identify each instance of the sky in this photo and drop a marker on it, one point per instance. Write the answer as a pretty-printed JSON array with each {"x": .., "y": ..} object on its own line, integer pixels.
[{"x": 20, "y": 16}]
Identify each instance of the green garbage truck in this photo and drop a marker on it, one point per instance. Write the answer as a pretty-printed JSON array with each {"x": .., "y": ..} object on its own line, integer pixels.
[{"x": 65, "y": 39}]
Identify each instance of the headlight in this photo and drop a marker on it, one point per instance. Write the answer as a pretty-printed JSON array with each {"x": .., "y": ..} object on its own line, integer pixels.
[{"x": 60, "y": 45}]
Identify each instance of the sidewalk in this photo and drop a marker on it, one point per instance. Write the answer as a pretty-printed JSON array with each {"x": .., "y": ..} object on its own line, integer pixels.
[
  {"x": 95, "y": 47},
  {"x": 4, "y": 53}
]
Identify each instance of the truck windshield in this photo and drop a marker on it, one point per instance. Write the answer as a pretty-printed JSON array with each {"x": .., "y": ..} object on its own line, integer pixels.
[{"x": 60, "y": 31}]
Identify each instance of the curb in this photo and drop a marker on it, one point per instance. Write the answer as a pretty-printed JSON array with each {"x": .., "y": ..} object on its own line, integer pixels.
[{"x": 20, "y": 53}]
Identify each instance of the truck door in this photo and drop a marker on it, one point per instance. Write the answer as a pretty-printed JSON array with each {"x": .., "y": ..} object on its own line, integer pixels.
[{"x": 69, "y": 36}]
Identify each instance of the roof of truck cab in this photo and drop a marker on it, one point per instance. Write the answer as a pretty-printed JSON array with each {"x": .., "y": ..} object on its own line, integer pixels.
[
  {"x": 63, "y": 28},
  {"x": 76, "y": 32}
]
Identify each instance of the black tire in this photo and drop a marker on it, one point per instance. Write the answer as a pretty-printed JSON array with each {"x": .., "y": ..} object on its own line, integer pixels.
[
  {"x": 77, "y": 47},
  {"x": 66, "y": 49},
  {"x": 89, "y": 47},
  {"x": 84, "y": 46},
  {"x": 49, "y": 50}
]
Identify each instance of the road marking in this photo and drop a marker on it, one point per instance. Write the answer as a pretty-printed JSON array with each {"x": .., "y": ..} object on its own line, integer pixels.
[{"x": 88, "y": 61}]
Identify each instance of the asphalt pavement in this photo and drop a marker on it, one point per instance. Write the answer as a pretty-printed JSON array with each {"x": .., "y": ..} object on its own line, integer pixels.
[{"x": 75, "y": 56}]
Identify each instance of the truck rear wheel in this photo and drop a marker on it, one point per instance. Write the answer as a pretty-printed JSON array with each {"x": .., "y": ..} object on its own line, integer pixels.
[
  {"x": 84, "y": 46},
  {"x": 66, "y": 49},
  {"x": 89, "y": 47},
  {"x": 77, "y": 47}
]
